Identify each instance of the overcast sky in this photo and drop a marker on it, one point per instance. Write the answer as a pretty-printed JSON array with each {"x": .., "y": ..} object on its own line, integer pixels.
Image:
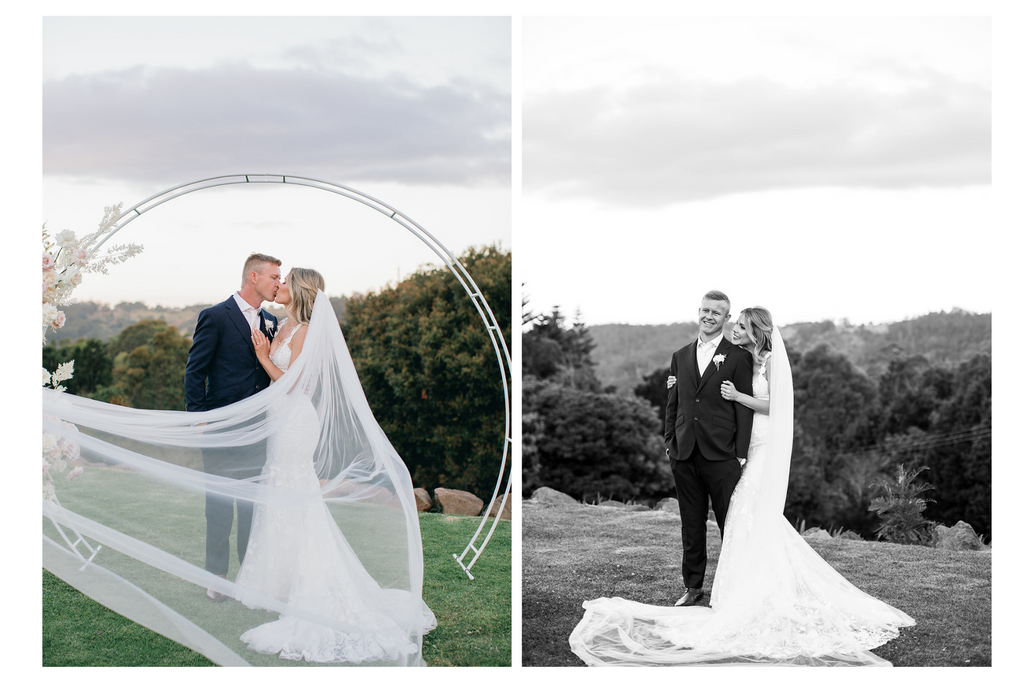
[
  {"x": 820, "y": 167},
  {"x": 415, "y": 112}
]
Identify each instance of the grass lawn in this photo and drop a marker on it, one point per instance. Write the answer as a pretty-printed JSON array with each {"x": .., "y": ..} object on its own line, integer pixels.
[
  {"x": 474, "y": 616},
  {"x": 573, "y": 553}
]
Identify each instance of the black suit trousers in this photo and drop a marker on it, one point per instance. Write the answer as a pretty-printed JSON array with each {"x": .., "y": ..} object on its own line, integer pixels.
[{"x": 697, "y": 479}]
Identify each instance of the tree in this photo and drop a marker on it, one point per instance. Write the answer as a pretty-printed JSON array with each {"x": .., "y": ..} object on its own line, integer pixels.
[
  {"x": 428, "y": 370},
  {"x": 654, "y": 388},
  {"x": 552, "y": 349},
  {"x": 592, "y": 445},
  {"x": 152, "y": 375},
  {"x": 960, "y": 460},
  {"x": 136, "y": 335},
  {"x": 93, "y": 366}
]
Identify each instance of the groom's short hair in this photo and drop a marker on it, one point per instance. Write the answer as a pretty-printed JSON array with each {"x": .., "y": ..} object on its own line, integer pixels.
[
  {"x": 718, "y": 296},
  {"x": 255, "y": 262}
]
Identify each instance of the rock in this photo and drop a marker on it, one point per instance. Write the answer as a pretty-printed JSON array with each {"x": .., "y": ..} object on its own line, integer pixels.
[
  {"x": 851, "y": 535},
  {"x": 669, "y": 504},
  {"x": 816, "y": 533},
  {"x": 457, "y": 502},
  {"x": 552, "y": 496},
  {"x": 506, "y": 512},
  {"x": 613, "y": 504},
  {"x": 423, "y": 501},
  {"x": 960, "y": 537}
]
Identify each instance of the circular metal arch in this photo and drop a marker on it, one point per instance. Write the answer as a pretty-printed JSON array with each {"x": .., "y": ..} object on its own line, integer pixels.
[{"x": 453, "y": 264}]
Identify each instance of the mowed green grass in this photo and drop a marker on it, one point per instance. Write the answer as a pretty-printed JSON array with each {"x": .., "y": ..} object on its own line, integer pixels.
[
  {"x": 474, "y": 616},
  {"x": 574, "y": 553}
]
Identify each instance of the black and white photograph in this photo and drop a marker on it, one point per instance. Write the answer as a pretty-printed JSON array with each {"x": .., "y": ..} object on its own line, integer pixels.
[{"x": 757, "y": 340}]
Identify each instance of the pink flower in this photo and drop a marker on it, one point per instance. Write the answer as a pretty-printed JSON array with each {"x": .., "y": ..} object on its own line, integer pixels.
[
  {"x": 59, "y": 321},
  {"x": 48, "y": 261},
  {"x": 70, "y": 449},
  {"x": 46, "y": 467},
  {"x": 73, "y": 475},
  {"x": 80, "y": 256}
]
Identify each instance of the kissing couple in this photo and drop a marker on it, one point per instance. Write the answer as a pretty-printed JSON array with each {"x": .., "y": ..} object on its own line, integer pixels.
[
  {"x": 774, "y": 600},
  {"x": 330, "y": 558}
]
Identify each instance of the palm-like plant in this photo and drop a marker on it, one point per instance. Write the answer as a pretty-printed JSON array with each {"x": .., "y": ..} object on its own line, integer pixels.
[{"x": 900, "y": 506}]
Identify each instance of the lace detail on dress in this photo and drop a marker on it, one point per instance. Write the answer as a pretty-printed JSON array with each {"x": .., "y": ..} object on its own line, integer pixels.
[
  {"x": 299, "y": 556},
  {"x": 282, "y": 356}
]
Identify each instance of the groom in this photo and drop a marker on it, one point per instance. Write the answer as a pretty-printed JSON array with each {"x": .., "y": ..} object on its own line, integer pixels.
[
  {"x": 222, "y": 368},
  {"x": 705, "y": 433}
]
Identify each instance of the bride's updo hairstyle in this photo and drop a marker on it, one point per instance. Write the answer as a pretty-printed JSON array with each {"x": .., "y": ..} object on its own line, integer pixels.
[
  {"x": 759, "y": 324},
  {"x": 303, "y": 284}
]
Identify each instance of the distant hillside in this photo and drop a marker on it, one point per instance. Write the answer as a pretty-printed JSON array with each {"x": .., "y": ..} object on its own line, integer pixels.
[
  {"x": 92, "y": 320},
  {"x": 626, "y": 353}
]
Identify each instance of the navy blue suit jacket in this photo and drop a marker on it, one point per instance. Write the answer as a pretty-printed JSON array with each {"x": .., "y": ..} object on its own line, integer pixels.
[
  {"x": 696, "y": 413},
  {"x": 222, "y": 366}
]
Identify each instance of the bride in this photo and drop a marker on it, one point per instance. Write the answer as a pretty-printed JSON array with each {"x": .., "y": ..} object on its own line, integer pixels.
[
  {"x": 774, "y": 600},
  {"x": 296, "y": 553},
  {"x": 334, "y": 568}
]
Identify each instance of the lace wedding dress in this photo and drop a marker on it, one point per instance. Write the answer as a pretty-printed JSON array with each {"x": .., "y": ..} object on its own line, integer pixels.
[
  {"x": 773, "y": 601},
  {"x": 298, "y": 555}
]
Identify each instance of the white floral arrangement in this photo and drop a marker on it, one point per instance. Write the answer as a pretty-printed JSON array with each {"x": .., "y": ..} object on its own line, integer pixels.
[
  {"x": 719, "y": 359},
  {"x": 65, "y": 259}
]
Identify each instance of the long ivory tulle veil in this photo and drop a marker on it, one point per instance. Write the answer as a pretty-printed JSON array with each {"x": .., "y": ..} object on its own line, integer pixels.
[
  {"x": 141, "y": 512},
  {"x": 774, "y": 600}
]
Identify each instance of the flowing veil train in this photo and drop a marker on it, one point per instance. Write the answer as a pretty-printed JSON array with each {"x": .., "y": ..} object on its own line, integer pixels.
[
  {"x": 774, "y": 600},
  {"x": 142, "y": 508}
]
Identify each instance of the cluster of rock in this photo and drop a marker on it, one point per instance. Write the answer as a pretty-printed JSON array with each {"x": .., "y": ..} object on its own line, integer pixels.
[
  {"x": 960, "y": 537},
  {"x": 457, "y": 502}
]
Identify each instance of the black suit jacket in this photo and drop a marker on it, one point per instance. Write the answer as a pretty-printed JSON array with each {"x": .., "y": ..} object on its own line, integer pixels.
[
  {"x": 697, "y": 414},
  {"x": 222, "y": 366}
]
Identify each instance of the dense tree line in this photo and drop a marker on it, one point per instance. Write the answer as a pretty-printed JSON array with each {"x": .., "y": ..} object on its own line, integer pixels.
[
  {"x": 423, "y": 355},
  {"x": 853, "y": 431},
  {"x": 430, "y": 372},
  {"x": 143, "y": 366},
  {"x": 625, "y": 354}
]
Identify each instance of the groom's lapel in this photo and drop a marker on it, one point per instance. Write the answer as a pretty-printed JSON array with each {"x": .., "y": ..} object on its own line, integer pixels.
[
  {"x": 691, "y": 363},
  {"x": 238, "y": 319}
]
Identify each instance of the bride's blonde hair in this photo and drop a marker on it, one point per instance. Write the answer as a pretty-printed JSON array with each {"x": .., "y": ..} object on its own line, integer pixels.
[
  {"x": 759, "y": 325},
  {"x": 303, "y": 284}
]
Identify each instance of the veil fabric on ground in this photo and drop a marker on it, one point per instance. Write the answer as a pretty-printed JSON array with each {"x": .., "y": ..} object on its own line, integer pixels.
[
  {"x": 339, "y": 572},
  {"x": 774, "y": 600}
]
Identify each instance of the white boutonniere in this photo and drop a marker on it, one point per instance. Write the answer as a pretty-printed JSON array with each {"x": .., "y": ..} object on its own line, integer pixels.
[
  {"x": 270, "y": 325},
  {"x": 718, "y": 359}
]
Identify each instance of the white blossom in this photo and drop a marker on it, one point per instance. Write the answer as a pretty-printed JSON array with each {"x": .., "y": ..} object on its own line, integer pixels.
[
  {"x": 66, "y": 239},
  {"x": 49, "y": 313},
  {"x": 70, "y": 449},
  {"x": 46, "y": 377},
  {"x": 73, "y": 475},
  {"x": 49, "y": 442},
  {"x": 64, "y": 371}
]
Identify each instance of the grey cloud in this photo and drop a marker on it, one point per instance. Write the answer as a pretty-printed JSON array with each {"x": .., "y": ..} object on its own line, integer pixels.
[
  {"x": 685, "y": 141},
  {"x": 174, "y": 125}
]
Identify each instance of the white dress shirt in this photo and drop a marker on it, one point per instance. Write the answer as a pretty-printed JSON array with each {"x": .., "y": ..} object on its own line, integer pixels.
[
  {"x": 251, "y": 313},
  {"x": 706, "y": 350}
]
